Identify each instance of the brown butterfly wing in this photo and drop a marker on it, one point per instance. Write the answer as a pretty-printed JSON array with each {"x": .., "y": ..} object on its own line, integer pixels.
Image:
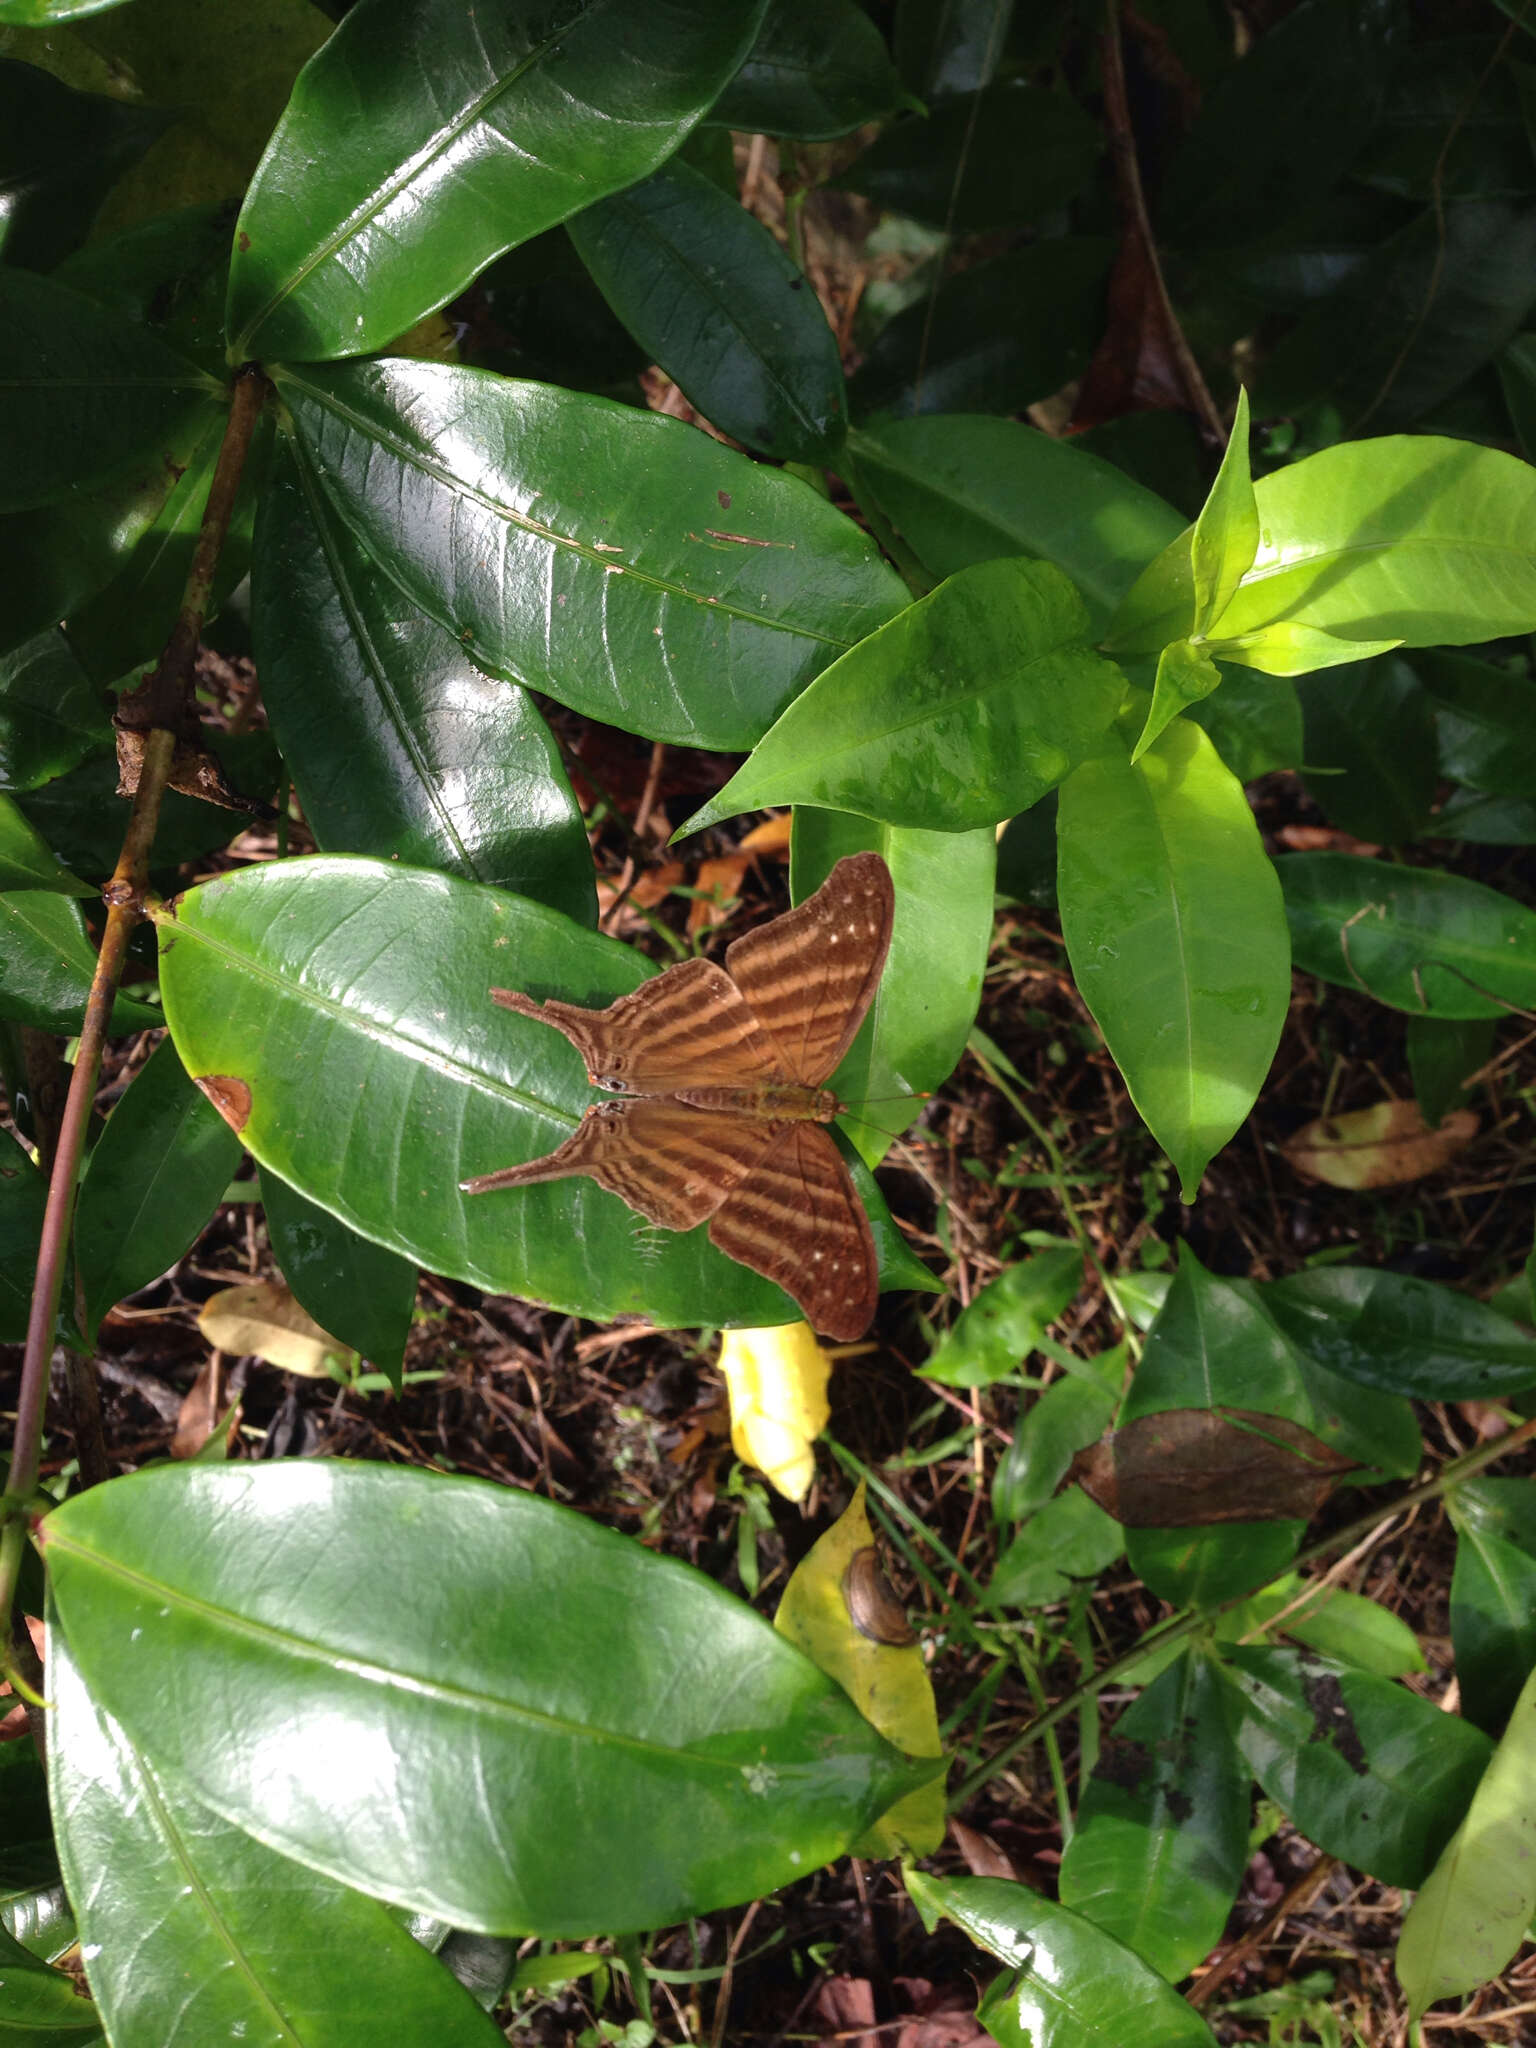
[
  {"x": 688, "y": 1028},
  {"x": 811, "y": 974},
  {"x": 673, "y": 1164},
  {"x": 796, "y": 1219}
]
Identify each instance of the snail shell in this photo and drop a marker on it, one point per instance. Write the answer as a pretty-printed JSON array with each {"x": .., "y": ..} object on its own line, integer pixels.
[{"x": 873, "y": 1608}]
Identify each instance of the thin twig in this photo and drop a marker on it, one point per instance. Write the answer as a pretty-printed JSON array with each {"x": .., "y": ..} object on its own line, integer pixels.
[{"x": 162, "y": 708}]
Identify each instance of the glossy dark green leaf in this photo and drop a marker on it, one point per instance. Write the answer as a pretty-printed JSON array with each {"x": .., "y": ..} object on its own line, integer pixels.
[
  {"x": 1058, "y": 1551},
  {"x": 1480, "y": 820},
  {"x": 51, "y": 714},
  {"x": 353, "y": 999},
  {"x": 82, "y": 391},
  {"x": 42, "y": 2007},
  {"x": 926, "y": 1003},
  {"x": 963, "y": 490},
  {"x": 1210, "y": 1347},
  {"x": 1425, "y": 311},
  {"x": 1254, "y": 722},
  {"x": 818, "y": 69},
  {"x": 968, "y": 706},
  {"x": 1175, "y": 930},
  {"x": 1068, "y": 1983},
  {"x": 23, "y": 1191},
  {"x": 1012, "y": 154},
  {"x": 1450, "y": 125},
  {"x": 1443, "y": 1054},
  {"x": 158, "y": 1172},
  {"x": 354, "y": 1289},
  {"x": 26, "y": 861},
  {"x": 1412, "y": 537},
  {"x": 193, "y": 1932},
  {"x": 41, "y": 1920},
  {"x": 1281, "y": 129},
  {"x": 1370, "y": 1772},
  {"x": 996, "y": 1333},
  {"x": 1493, "y": 1620},
  {"x": 46, "y": 964},
  {"x": 354, "y": 227},
  {"x": 1431, "y": 943},
  {"x": 994, "y": 338},
  {"x": 624, "y": 563},
  {"x": 83, "y": 818},
  {"x": 1372, "y": 767},
  {"x": 582, "y": 1736},
  {"x": 1161, "y": 1836},
  {"x": 729, "y": 315},
  {"x": 60, "y": 152},
  {"x": 1064, "y": 1420},
  {"x": 1486, "y": 718},
  {"x": 398, "y": 745},
  {"x": 1503, "y": 1508},
  {"x": 1404, "y": 1335}
]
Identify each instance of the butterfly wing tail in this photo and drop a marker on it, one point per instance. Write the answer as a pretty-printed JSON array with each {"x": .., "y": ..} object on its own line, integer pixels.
[{"x": 580, "y": 1153}]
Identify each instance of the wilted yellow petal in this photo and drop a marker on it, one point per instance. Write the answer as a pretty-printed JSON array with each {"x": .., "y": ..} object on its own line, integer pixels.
[
  {"x": 839, "y": 1610},
  {"x": 777, "y": 1382},
  {"x": 265, "y": 1320}
]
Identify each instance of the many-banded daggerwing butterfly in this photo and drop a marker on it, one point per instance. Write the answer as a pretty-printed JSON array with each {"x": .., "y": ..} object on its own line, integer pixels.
[{"x": 721, "y": 1070}]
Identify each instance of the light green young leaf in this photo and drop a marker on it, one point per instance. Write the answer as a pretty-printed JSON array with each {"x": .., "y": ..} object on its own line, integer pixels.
[
  {"x": 1225, "y": 538},
  {"x": 1477, "y": 1902},
  {"x": 1414, "y": 538},
  {"x": 968, "y": 706},
  {"x": 1175, "y": 929},
  {"x": 1285, "y": 647},
  {"x": 1185, "y": 675}
]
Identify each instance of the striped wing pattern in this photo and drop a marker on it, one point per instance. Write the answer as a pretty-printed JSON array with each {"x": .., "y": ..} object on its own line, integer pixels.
[
  {"x": 689, "y": 1028},
  {"x": 673, "y": 1164},
  {"x": 783, "y": 1010},
  {"x": 796, "y": 1219},
  {"x": 811, "y": 974}
]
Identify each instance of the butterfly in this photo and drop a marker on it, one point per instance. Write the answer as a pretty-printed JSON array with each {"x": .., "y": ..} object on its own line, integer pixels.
[{"x": 723, "y": 1111}]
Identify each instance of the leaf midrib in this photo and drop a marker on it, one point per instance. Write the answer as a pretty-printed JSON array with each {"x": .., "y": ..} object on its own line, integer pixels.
[
  {"x": 369, "y": 1670},
  {"x": 363, "y": 1026},
  {"x": 610, "y": 565},
  {"x": 399, "y": 181}
]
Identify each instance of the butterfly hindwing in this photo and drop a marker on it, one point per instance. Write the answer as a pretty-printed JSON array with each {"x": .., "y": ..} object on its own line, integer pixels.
[
  {"x": 673, "y": 1164},
  {"x": 810, "y": 975},
  {"x": 796, "y": 1218}
]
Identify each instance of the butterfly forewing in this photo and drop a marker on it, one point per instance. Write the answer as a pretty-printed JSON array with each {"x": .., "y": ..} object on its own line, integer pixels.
[
  {"x": 797, "y": 1219},
  {"x": 811, "y": 974},
  {"x": 688, "y": 1028},
  {"x": 673, "y": 1164}
]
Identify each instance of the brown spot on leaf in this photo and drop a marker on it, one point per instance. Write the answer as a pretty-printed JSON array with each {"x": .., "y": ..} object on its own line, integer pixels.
[
  {"x": 229, "y": 1096},
  {"x": 1123, "y": 1763},
  {"x": 244, "y": 241},
  {"x": 1332, "y": 1722},
  {"x": 873, "y": 1607},
  {"x": 724, "y": 498}
]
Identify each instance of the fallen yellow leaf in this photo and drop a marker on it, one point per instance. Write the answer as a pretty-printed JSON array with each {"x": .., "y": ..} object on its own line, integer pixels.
[
  {"x": 777, "y": 1383},
  {"x": 263, "y": 1320}
]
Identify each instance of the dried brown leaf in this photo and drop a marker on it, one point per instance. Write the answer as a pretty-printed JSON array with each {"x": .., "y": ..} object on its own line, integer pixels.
[
  {"x": 1191, "y": 1467},
  {"x": 1379, "y": 1147}
]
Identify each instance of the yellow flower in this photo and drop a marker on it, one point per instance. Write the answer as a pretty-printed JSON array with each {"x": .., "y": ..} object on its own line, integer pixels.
[{"x": 777, "y": 1381}]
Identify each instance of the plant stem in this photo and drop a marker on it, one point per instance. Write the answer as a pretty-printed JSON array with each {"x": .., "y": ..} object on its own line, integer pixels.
[
  {"x": 1446, "y": 1481},
  {"x": 167, "y": 698}
]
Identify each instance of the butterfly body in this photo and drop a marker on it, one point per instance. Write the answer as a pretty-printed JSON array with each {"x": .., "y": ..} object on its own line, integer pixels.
[{"x": 721, "y": 1106}]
